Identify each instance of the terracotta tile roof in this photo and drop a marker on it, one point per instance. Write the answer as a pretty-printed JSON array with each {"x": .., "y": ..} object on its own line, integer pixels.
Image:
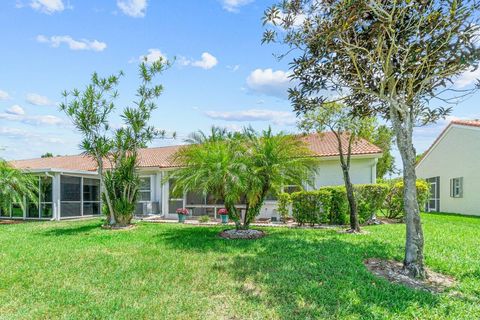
[
  {"x": 470, "y": 123},
  {"x": 323, "y": 145},
  {"x": 77, "y": 162}
]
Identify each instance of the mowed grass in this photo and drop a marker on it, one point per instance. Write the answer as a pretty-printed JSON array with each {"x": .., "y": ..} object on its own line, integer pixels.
[{"x": 75, "y": 270}]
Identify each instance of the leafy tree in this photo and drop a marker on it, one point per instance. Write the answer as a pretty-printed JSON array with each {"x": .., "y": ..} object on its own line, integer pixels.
[
  {"x": 116, "y": 151},
  {"x": 15, "y": 185},
  {"x": 242, "y": 168},
  {"x": 47, "y": 155},
  {"x": 382, "y": 137},
  {"x": 419, "y": 157},
  {"x": 387, "y": 58},
  {"x": 347, "y": 130}
]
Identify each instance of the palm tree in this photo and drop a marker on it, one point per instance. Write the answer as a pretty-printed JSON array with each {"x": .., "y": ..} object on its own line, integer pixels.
[
  {"x": 274, "y": 161},
  {"x": 213, "y": 165},
  {"x": 242, "y": 166},
  {"x": 14, "y": 186}
]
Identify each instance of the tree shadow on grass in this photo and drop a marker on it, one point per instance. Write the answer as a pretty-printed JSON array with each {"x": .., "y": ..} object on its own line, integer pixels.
[
  {"x": 72, "y": 229},
  {"x": 314, "y": 274},
  {"x": 199, "y": 238}
]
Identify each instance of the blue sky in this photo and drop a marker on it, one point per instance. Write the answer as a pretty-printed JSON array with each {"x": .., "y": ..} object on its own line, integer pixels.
[{"x": 222, "y": 74}]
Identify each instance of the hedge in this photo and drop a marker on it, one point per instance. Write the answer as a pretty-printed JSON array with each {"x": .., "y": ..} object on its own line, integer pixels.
[
  {"x": 284, "y": 202},
  {"x": 370, "y": 199},
  {"x": 330, "y": 204},
  {"x": 393, "y": 204},
  {"x": 339, "y": 205},
  {"x": 312, "y": 207}
]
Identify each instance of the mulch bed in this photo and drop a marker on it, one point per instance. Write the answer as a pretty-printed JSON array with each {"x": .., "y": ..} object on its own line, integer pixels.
[
  {"x": 10, "y": 221},
  {"x": 393, "y": 272},
  {"x": 242, "y": 234}
]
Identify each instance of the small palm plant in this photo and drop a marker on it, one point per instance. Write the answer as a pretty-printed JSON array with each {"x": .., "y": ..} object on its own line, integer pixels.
[
  {"x": 14, "y": 186},
  {"x": 242, "y": 168}
]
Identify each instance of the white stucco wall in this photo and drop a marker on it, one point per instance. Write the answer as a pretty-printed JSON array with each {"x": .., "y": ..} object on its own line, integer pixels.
[
  {"x": 363, "y": 170},
  {"x": 329, "y": 173},
  {"x": 455, "y": 155}
]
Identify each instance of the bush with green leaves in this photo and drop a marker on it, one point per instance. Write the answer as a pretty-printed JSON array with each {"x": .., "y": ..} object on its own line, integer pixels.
[
  {"x": 311, "y": 207},
  {"x": 14, "y": 186},
  {"x": 393, "y": 205},
  {"x": 204, "y": 219},
  {"x": 283, "y": 205},
  {"x": 339, "y": 205},
  {"x": 370, "y": 199}
]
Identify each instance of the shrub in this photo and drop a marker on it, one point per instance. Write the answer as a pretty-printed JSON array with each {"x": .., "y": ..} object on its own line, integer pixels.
[
  {"x": 311, "y": 206},
  {"x": 204, "y": 219},
  {"x": 370, "y": 199},
  {"x": 339, "y": 205},
  {"x": 283, "y": 205},
  {"x": 394, "y": 200}
]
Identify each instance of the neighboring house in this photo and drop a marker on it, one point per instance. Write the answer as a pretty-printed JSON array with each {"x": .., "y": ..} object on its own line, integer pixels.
[
  {"x": 69, "y": 186},
  {"x": 451, "y": 166}
]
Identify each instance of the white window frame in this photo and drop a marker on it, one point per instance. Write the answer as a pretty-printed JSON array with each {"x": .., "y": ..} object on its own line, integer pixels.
[
  {"x": 99, "y": 202},
  {"x": 145, "y": 190},
  {"x": 434, "y": 199},
  {"x": 456, "y": 187}
]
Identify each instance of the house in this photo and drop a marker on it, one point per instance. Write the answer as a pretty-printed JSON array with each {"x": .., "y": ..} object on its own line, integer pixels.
[
  {"x": 69, "y": 186},
  {"x": 451, "y": 166}
]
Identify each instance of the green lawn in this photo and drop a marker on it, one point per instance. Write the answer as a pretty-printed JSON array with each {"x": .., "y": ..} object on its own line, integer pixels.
[{"x": 75, "y": 270}]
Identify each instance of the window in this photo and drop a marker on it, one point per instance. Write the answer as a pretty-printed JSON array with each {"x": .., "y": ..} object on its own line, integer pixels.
[
  {"x": 145, "y": 189},
  {"x": 271, "y": 196},
  {"x": 292, "y": 189},
  {"x": 91, "y": 197},
  {"x": 176, "y": 200},
  {"x": 70, "y": 196},
  {"x": 456, "y": 187},
  {"x": 17, "y": 211},
  {"x": 46, "y": 207},
  {"x": 42, "y": 208},
  {"x": 78, "y": 196}
]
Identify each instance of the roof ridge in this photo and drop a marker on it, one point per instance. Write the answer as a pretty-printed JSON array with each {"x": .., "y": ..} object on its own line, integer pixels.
[{"x": 54, "y": 157}]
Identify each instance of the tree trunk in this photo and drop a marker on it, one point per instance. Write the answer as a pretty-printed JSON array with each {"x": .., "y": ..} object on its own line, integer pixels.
[
  {"x": 246, "y": 223},
  {"x": 413, "y": 262},
  {"x": 345, "y": 165},
  {"x": 107, "y": 196},
  {"x": 354, "y": 223}
]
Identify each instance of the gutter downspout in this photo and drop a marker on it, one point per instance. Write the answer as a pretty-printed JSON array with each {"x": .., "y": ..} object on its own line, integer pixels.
[{"x": 374, "y": 171}]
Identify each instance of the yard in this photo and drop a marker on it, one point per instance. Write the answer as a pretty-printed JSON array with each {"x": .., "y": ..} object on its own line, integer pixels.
[{"x": 76, "y": 270}]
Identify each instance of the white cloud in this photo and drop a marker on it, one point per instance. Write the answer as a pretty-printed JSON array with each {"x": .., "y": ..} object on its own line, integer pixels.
[
  {"x": 38, "y": 100},
  {"x": 277, "y": 117},
  {"x": 47, "y": 6},
  {"x": 16, "y": 133},
  {"x": 4, "y": 95},
  {"x": 299, "y": 20},
  {"x": 82, "y": 44},
  {"x": 15, "y": 110},
  {"x": 467, "y": 78},
  {"x": 152, "y": 56},
  {"x": 269, "y": 82},
  {"x": 16, "y": 113},
  {"x": 234, "y": 68},
  {"x": 207, "y": 61},
  {"x": 133, "y": 8},
  {"x": 234, "y": 5}
]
